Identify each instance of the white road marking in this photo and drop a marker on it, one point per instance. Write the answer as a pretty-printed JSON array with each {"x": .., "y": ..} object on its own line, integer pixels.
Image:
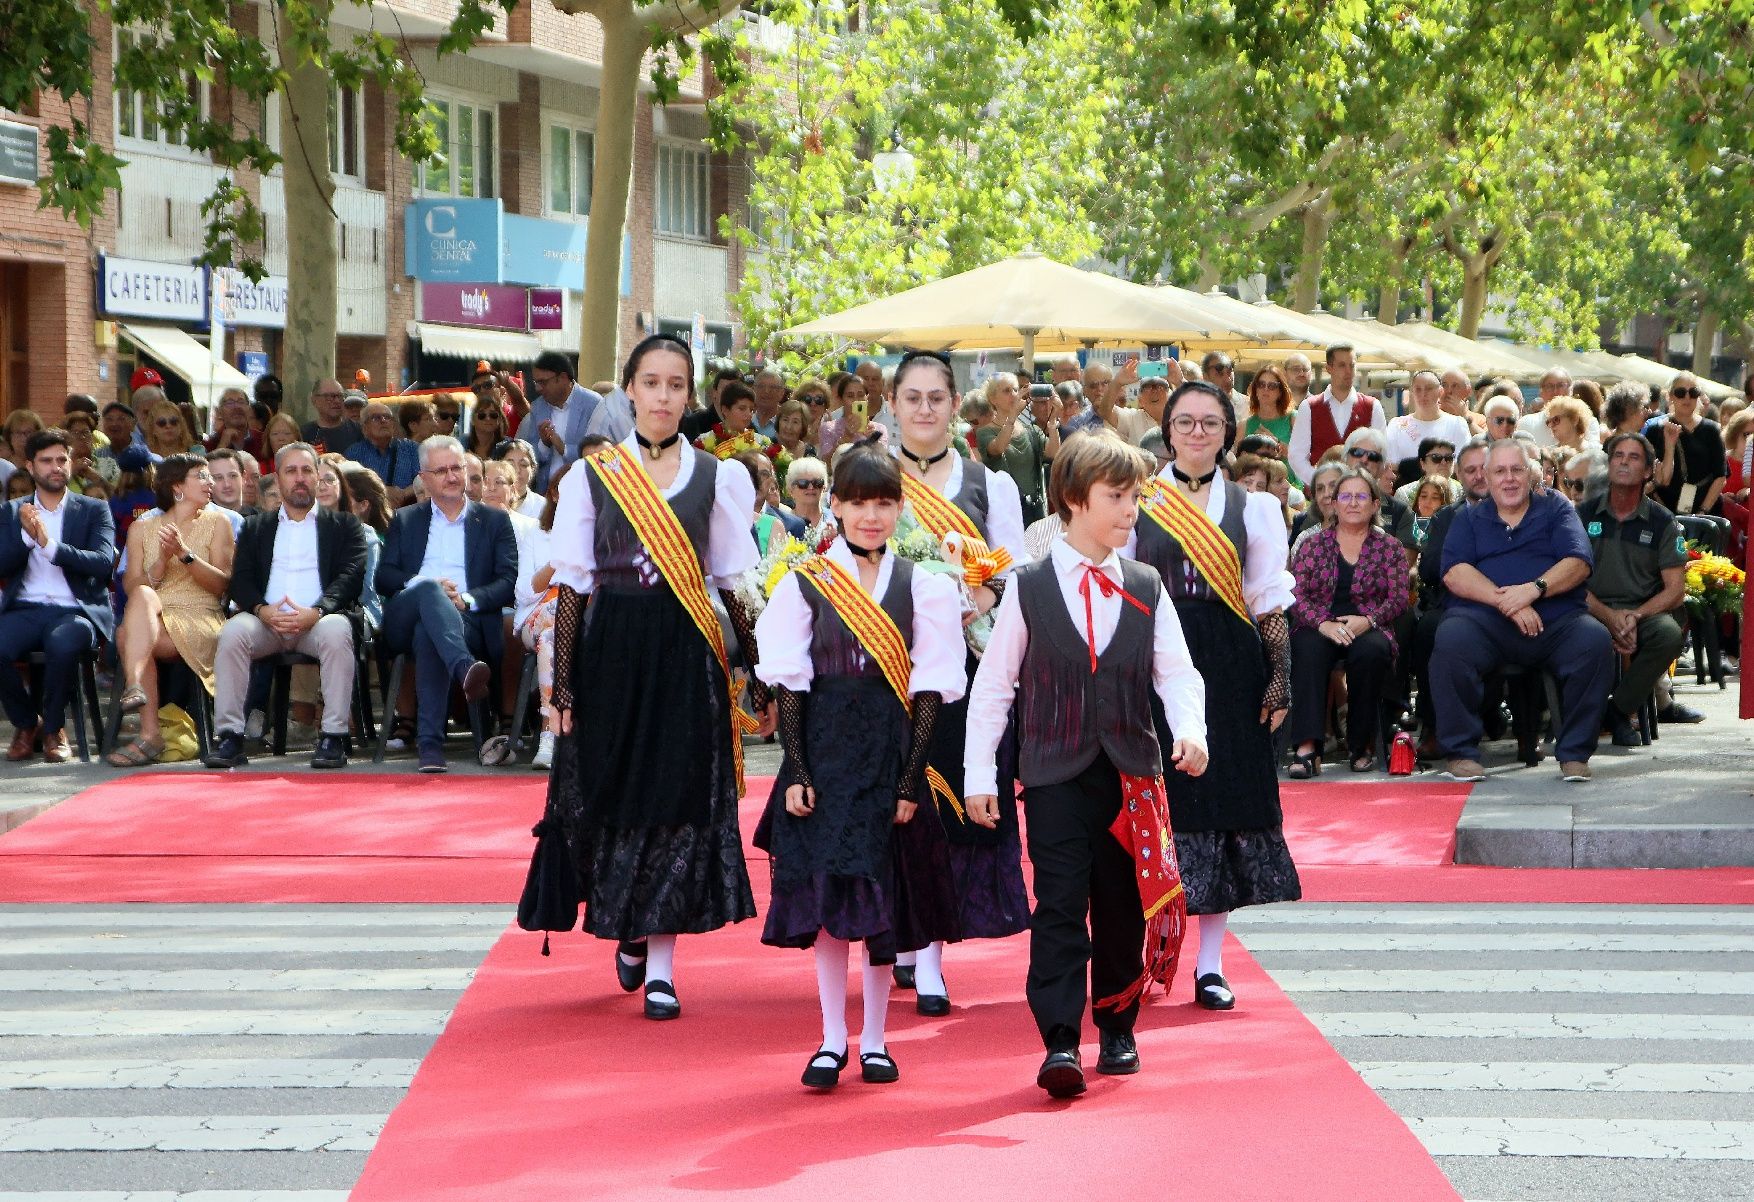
[
  {"x": 84, "y": 1024},
  {"x": 1500, "y": 982},
  {"x": 1558, "y": 1075},
  {"x": 1636, "y": 1139},
  {"x": 192, "y": 1133},
  {"x": 1479, "y": 1025},
  {"x": 244, "y": 980},
  {"x": 384, "y": 1073}
]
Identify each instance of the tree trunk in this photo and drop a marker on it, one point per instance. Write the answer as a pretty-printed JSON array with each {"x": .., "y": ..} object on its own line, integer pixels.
[
  {"x": 312, "y": 300},
  {"x": 1704, "y": 334},
  {"x": 624, "y": 47},
  {"x": 1317, "y": 218},
  {"x": 1476, "y": 271},
  {"x": 1388, "y": 305}
]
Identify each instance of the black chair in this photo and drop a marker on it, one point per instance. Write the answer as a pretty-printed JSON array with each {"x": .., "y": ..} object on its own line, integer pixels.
[
  {"x": 1713, "y": 535},
  {"x": 85, "y": 698},
  {"x": 1525, "y": 690},
  {"x": 177, "y": 683},
  {"x": 280, "y": 694},
  {"x": 479, "y": 712},
  {"x": 1647, "y": 709},
  {"x": 521, "y": 713}
]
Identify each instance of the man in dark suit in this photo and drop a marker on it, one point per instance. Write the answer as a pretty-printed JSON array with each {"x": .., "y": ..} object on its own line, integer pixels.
[
  {"x": 448, "y": 568},
  {"x": 295, "y": 582},
  {"x": 57, "y": 550}
]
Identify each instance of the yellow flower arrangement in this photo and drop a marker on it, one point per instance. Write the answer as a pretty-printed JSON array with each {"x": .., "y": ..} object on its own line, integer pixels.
[{"x": 1714, "y": 582}]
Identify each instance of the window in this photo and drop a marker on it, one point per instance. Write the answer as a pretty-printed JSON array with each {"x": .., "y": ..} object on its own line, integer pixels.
[
  {"x": 139, "y": 117},
  {"x": 570, "y": 153},
  {"x": 467, "y": 146},
  {"x": 347, "y": 133},
  {"x": 684, "y": 201}
]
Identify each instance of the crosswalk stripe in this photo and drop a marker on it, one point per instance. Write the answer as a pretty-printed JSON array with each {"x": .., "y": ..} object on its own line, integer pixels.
[
  {"x": 1299, "y": 914},
  {"x": 1479, "y": 1025},
  {"x": 1557, "y": 1075},
  {"x": 1636, "y": 1139},
  {"x": 1515, "y": 942},
  {"x": 247, "y": 980},
  {"x": 1523, "y": 980},
  {"x": 165, "y": 1195},
  {"x": 208, "y": 1074},
  {"x": 193, "y": 1133},
  {"x": 106, "y": 944},
  {"x": 83, "y": 1024},
  {"x": 401, "y": 918}
]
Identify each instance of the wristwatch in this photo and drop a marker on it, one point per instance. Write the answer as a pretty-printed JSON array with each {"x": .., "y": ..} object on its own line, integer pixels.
[
  {"x": 1541, "y": 585},
  {"x": 188, "y": 557}
]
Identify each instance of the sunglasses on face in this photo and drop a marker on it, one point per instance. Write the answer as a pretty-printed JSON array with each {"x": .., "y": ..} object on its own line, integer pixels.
[
  {"x": 1570, "y": 485},
  {"x": 1679, "y": 393},
  {"x": 446, "y": 415},
  {"x": 1368, "y": 456},
  {"x": 811, "y": 484},
  {"x": 166, "y": 423},
  {"x": 819, "y": 402},
  {"x": 1502, "y": 420},
  {"x": 1264, "y": 385},
  {"x": 1440, "y": 459}
]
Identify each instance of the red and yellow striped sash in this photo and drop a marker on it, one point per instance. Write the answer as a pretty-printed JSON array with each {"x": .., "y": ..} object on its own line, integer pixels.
[
  {"x": 936, "y": 513},
  {"x": 879, "y": 636},
  {"x": 1205, "y": 544},
  {"x": 673, "y": 555}
]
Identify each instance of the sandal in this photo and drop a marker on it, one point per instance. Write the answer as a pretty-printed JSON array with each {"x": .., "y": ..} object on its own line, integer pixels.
[
  {"x": 1304, "y": 767},
  {"x": 133, "y": 698},
  {"x": 137, "y": 754},
  {"x": 1364, "y": 763}
]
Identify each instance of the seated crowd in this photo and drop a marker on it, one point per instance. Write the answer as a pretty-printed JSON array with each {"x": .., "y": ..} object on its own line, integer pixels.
[{"x": 1431, "y": 552}]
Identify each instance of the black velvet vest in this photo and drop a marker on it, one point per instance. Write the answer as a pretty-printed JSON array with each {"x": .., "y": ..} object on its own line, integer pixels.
[
  {"x": 834, "y": 649},
  {"x": 623, "y": 563}
]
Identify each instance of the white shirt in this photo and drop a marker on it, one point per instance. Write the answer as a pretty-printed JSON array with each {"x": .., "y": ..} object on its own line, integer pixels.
[
  {"x": 1535, "y": 426},
  {"x": 939, "y": 653},
  {"x": 533, "y": 505},
  {"x": 730, "y": 549},
  {"x": 446, "y": 549},
  {"x": 1297, "y": 454},
  {"x": 1004, "y": 503},
  {"x": 1266, "y": 584},
  {"x": 1178, "y": 684},
  {"x": 1407, "y": 432},
  {"x": 294, "y": 571},
  {"x": 532, "y": 554},
  {"x": 44, "y": 582}
]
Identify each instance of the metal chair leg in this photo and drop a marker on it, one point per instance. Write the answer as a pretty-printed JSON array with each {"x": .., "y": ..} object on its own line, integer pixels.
[
  {"x": 526, "y": 681},
  {"x": 392, "y": 690},
  {"x": 280, "y": 704}
]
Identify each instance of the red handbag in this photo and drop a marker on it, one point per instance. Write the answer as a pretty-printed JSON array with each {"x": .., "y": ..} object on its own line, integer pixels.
[{"x": 1403, "y": 760}]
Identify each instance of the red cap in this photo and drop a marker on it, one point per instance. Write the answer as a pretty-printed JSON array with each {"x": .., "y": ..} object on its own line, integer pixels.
[{"x": 142, "y": 377}]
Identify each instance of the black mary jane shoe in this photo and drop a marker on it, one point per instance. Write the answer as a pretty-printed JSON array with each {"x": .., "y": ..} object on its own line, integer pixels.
[
  {"x": 904, "y": 976},
  {"x": 1120, "y": 1054},
  {"x": 629, "y": 976},
  {"x": 819, "y": 1075},
  {"x": 932, "y": 1005},
  {"x": 659, "y": 1010},
  {"x": 878, "y": 1068},
  {"x": 1212, "y": 992},
  {"x": 1061, "y": 1074},
  {"x": 1305, "y": 767}
]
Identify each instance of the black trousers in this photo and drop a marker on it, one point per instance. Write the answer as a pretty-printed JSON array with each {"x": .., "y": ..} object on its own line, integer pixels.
[
  {"x": 1368, "y": 660},
  {"x": 1081, "y": 870}
]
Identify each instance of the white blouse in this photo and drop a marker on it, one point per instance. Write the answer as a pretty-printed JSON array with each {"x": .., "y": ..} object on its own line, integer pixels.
[
  {"x": 1004, "y": 506},
  {"x": 730, "y": 550},
  {"x": 532, "y": 554},
  {"x": 1266, "y": 584},
  {"x": 783, "y": 631}
]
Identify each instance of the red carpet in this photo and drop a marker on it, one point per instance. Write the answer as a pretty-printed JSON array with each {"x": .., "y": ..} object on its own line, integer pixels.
[{"x": 547, "y": 1084}]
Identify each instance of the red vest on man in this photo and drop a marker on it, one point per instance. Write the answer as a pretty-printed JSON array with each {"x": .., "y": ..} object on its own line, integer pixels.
[{"x": 1322, "y": 433}]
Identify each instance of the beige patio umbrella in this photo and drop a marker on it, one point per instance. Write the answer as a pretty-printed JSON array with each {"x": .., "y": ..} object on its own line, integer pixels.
[
  {"x": 1251, "y": 328},
  {"x": 1026, "y": 301},
  {"x": 1478, "y": 358},
  {"x": 1660, "y": 375},
  {"x": 1376, "y": 344}
]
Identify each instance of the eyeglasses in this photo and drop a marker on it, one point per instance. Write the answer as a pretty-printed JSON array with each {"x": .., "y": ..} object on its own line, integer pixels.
[
  {"x": 1353, "y": 498},
  {"x": 1503, "y": 419},
  {"x": 811, "y": 484},
  {"x": 1435, "y": 458},
  {"x": 167, "y": 423},
  {"x": 328, "y": 396},
  {"x": 1263, "y": 385},
  {"x": 1361, "y": 453},
  {"x": 483, "y": 386},
  {"x": 820, "y": 402},
  {"x": 1570, "y": 485},
  {"x": 1186, "y": 424},
  {"x": 456, "y": 469},
  {"x": 931, "y": 400},
  {"x": 1679, "y": 393},
  {"x": 378, "y": 417},
  {"x": 542, "y": 381},
  {"x": 446, "y": 415}
]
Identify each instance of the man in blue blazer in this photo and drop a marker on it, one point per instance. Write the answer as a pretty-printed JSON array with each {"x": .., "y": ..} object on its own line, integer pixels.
[
  {"x": 57, "y": 550},
  {"x": 448, "y": 568}
]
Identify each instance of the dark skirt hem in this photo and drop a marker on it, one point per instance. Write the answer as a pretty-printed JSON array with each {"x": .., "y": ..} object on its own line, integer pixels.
[
  {"x": 847, "y": 908},
  {"x": 1227, "y": 870}
]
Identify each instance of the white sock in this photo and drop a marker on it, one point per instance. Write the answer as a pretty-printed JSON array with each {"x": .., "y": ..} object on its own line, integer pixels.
[
  {"x": 906, "y": 959},
  {"x": 929, "y": 971},
  {"x": 1211, "y": 957},
  {"x": 660, "y": 963},
  {"x": 831, "y": 988},
  {"x": 871, "y": 1039}
]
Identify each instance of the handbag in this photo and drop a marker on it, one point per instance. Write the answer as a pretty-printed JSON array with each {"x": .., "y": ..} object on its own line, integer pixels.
[
  {"x": 550, "y": 900},
  {"x": 177, "y": 730}
]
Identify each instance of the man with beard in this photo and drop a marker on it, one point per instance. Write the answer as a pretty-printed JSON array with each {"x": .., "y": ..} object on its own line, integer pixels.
[
  {"x": 296, "y": 583},
  {"x": 57, "y": 550}
]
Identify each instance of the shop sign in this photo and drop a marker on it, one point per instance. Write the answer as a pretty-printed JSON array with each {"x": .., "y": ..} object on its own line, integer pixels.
[
  {"x": 243, "y": 303},
  {"x": 492, "y": 306},
  {"x": 175, "y": 292},
  {"x": 18, "y": 153},
  {"x": 547, "y": 309},
  {"x": 453, "y": 241}
]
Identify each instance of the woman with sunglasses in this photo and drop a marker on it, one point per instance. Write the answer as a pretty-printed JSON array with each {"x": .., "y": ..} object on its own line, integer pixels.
[
  {"x": 1692, "y": 471},
  {"x": 1568, "y": 420},
  {"x": 806, "y": 485},
  {"x": 813, "y": 394},
  {"x": 1271, "y": 410},
  {"x": 167, "y": 431},
  {"x": 1221, "y": 552},
  {"x": 487, "y": 423},
  {"x": 985, "y": 864}
]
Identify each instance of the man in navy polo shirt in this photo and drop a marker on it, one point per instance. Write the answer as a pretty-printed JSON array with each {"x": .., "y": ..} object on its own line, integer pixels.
[{"x": 1516, "y": 564}]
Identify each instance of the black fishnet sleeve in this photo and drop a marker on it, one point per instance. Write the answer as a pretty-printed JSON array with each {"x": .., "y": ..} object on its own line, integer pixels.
[
  {"x": 792, "y": 733},
  {"x": 1276, "y": 637},
  {"x": 569, "y": 614},
  {"x": 913, "y": 774},
  {"x": 743, "y": 622},
  {"x": 997, "y": 584}
]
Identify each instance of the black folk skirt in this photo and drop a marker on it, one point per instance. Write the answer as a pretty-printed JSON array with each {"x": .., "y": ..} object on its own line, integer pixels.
[
  {"x": 1229, "y": 837},
  {"x": 645, "y": 784}
]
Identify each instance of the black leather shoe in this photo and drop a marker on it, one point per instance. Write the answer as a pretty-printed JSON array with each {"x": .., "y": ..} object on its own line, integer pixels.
[
  {"x": 904, "y": 976},
  {"x": 475, "y": 681},
  {"x": 1212, "y": 992},
  {"x": 932, "y": 1005},
  {"x": 878, "y": 1068},
  {"x": 660, "y": 1011},
  {"x": 227, "y": 751},
  {"x": 1120, "y": 1054},
  {"x": 823, "y": 1071},
  {"x": 1061, "y": 1075},
  {"x": 331, "y": 752},
  {"x": 1675, "y": 712},
  {"x": 1622, "y": 731},
  {"x": 630, "y": 976}
]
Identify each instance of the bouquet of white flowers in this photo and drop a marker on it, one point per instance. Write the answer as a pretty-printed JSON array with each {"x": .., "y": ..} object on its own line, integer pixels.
[
  {"x": 914, "y": 542},
  {"x": 757, "y": 584}
]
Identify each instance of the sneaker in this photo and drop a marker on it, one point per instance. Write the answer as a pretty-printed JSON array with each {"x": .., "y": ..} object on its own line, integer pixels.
[
  {"x": 255, "y": 726},
  {"x": 544, "y": 752},
  {"x": 331, "y": 752},
  {"x": 227, "y": 751},
  {"x": 1676, "y": 712},
  {"x": 1466, "y": 770},
  {"x": 1574, "y": 771}
]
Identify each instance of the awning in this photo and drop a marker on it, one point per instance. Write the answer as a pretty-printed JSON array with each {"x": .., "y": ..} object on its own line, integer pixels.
[
  {"x": 469, "y": 342},
  {"x": 191, "y": 361}
]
